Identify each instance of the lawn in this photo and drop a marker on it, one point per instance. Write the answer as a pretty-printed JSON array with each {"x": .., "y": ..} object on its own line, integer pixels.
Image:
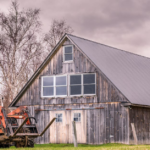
[{"x": 84, "y": 147}]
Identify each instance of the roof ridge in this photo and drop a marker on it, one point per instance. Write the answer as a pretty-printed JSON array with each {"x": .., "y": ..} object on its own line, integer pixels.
[{"x": 109, "y": 46}]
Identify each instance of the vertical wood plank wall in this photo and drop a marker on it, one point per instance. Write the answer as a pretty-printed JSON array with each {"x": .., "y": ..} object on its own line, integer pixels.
[
  {"x": 141, "y": 119},
  {"x": 108, "y": 125},
  {"x": 98, "y": 126}
]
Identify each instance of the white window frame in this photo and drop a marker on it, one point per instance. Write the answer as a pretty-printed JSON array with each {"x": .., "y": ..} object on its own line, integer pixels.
[
  {"x": 89, "y": 84},
  {"x": 47, "y": 86},
  {"x": 54, "y": 85},
  {"x": 75, "y": 84},
  {"x": 61, "y": 85},
  {"x": 68, "y": 53},
  {"x": 56, "y": 117},
  {"x": 78, "y": 117},
  {"x": 82, "y": 85}
]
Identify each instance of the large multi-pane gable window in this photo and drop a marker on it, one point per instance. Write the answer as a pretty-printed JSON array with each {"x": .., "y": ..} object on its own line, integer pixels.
[
  {"x": 79, "y": 84},
  {"x": 68, "y": 53},
  {"x": 83, "y": 84},
  {"x": 53, "y": 86}
]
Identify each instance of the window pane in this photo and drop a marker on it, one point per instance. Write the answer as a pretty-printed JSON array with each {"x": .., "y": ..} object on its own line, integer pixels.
[
  {"x": 75, "y": 90},
  {"x": 61, "y": 80},
  {"x": 76, "y": 79},
  {"x": 48, "y": 91},
  {"x": 68, "y": 49},
  {"x": 68, "y": 57},
  {"x": 61, "y": 90},
  {"x": 47, "y": 81},
  {"x": 89, "y": 89},
  {"x": 88, "y": 78},
  {"x": 58, "y": 117},
  {"x": 77, "y": 117}
]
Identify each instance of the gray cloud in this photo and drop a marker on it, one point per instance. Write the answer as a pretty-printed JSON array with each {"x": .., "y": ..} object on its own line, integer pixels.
[{"x": 118, "y": 23}]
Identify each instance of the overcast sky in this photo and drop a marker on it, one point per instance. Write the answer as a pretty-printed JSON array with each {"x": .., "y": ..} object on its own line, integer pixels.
[{"x": 123, "y": 24}]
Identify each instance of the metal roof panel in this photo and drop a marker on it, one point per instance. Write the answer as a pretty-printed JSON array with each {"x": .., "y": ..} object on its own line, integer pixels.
[{"x": 129, "y": 72}]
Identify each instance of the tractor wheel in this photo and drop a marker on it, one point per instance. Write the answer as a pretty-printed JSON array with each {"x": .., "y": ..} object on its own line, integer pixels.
[
  {"x": 30, "y": 143},
  {"x": 19, "y": 144}
]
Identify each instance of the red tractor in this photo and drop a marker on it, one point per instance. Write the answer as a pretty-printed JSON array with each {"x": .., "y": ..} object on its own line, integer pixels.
[{"x": 13, "y": 134}]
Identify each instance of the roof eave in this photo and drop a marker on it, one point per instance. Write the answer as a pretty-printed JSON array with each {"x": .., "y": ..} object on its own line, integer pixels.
[{"x": 135, "y": 105}]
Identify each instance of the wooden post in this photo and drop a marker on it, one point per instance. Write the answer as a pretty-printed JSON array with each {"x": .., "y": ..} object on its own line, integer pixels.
[
  {"x": 134, "y": 133},
  {"x": 74, "y": 134}
]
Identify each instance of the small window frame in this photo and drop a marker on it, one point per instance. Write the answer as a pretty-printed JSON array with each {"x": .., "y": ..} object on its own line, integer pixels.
[
  {"x": 79, "y": 120},
  {"x": 67, "y": 61},
  {"x": 57, "y": 116}
]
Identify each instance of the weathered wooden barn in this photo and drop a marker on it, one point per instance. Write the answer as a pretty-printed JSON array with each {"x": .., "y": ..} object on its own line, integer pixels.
[{"x": 102, "y": 88}]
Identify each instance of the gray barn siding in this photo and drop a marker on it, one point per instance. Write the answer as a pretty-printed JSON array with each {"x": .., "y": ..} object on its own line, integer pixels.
[
  {"x": 106, "y": 92},
  {"x": 43, "y": 118},
  {"x": 141, "y": 119},
  {"x": 103, "y": 125}
]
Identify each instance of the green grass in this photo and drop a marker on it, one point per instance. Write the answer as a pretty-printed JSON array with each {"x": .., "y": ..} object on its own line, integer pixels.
[{"x": 85, "y": 147}]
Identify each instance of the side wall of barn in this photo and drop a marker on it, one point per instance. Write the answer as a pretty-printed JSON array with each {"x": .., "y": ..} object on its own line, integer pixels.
[{"x": 140, "y": 116}]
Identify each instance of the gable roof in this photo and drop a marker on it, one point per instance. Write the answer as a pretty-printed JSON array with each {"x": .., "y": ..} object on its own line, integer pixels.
[{"x": 129, "y": 72}]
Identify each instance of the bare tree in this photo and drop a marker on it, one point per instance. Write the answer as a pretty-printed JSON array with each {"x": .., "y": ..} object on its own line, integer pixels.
[
  {"x": 57, "y": 30},
  {"x": 19, "y": 48},
  {"x": 21, "y": 52}
]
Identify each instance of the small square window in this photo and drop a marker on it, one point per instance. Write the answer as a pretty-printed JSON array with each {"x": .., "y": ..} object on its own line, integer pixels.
[
  {"x": 58, "y": 117},
  {"x": 77, "y": 117},
  {"x": 68, "y": 53}
]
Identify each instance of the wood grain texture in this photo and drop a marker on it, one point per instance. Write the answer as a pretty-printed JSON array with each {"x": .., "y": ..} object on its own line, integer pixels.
[
  {"x": 134, "y": 133},
  {"x": 140, "y": 117}
]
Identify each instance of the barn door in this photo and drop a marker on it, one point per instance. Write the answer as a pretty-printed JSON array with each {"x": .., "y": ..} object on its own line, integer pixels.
[
  {"x": 79, "y": 116},
  {"x": 58, "y": 128},
  {"x": 61, "y": 129}
]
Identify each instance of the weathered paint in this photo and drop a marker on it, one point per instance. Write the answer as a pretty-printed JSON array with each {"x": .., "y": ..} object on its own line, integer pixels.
[
  {"x": 108, "y": 125},
  {"x": 141, "y": 119}
]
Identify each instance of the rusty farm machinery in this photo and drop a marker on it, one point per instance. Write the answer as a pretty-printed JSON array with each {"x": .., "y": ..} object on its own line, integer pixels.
[{"x": 20, "y": 136}]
